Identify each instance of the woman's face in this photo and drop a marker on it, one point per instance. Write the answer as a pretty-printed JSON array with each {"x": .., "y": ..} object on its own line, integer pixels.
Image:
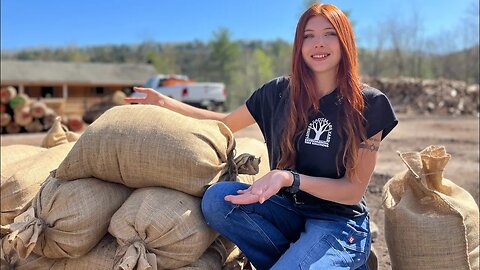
[{"x": 321, "y": 46}]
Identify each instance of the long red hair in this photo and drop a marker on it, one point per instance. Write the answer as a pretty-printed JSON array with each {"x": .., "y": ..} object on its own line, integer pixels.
[{"x": 304, "y": 97}]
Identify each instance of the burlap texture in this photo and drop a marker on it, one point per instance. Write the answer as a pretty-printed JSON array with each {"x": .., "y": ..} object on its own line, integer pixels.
[
  {"x": 17, "y": 191},
  {"x": 71, "y": 217},
  {"x": 12, "y": 153},
  {"x": 144, "y": 145},
  {"x": 56, "y": 135},
  {"x": 259, "y": 150},
  {"x": 160, "y": 221},
  {"x": 101, "y": 257},
  {"x": 212, "y": 259},
  {"x": 430, "y": 222}
]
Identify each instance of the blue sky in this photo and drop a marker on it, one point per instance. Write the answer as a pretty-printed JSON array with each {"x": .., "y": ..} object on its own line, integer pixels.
[{"x": 54, "y": 23}]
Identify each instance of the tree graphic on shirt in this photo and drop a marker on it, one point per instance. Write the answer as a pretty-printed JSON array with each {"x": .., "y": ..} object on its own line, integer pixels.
[{"x": 320, "y": 126}]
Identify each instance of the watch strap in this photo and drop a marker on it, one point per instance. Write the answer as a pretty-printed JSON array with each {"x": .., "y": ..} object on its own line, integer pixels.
[{"x": 295, "y": 187}]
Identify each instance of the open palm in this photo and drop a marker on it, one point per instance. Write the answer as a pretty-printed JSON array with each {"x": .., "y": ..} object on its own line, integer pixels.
[{"x": 151, "y": 97}]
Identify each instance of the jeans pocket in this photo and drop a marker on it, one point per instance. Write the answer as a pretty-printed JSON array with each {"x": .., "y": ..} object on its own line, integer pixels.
[
  {"x": 355, "y": 240},
  {"x": 352, "y": 248},
  {"x": 326, "y": 254}
]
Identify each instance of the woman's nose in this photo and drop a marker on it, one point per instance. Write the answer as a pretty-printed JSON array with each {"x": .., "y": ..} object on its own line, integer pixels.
[{"x": 318, "y": 44}]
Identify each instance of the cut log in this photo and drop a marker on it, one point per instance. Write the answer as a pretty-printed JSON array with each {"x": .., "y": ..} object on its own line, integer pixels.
[
  {"x": 7, "y": 94},
  {"x": 12, "y": 128},
  {"x": 23, "y": 116},
  {"x": 38, "y": 109},
  {"x": 49, "y": 118},
  {"x": 5, "y": 119},
  {"x": 20, "y": 101},
  {"x": 34, "y": 126},
  {"x": 75, "y": 123}
]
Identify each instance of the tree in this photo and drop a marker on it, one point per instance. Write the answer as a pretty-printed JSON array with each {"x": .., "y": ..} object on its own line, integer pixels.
[
  {"x": 262, "y": 67},
  {"x": 320, "y": 126},
  {"x": 164, "y": 61},
  {"x": 281, "y": 55},
  {"x": 223, "y": 58}
]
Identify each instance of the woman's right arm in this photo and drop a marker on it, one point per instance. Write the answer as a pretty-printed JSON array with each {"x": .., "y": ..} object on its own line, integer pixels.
[{"x": 236, "y": 120}]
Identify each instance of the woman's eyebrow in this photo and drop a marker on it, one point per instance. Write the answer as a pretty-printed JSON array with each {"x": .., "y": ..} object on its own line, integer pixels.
[{"x": 327, "y": 28}]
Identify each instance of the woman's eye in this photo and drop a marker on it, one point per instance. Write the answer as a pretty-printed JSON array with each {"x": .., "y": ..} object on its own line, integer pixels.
[
  {"x": 308, "y": 36},
  {"x": 331, "y": 34}
]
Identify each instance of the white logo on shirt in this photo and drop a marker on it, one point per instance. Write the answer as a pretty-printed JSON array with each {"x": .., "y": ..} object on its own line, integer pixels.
[{"x": 322, "y": 130}]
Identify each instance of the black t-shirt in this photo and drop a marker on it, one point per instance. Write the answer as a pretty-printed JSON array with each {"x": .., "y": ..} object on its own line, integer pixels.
[{"x": 319, "y": 144}]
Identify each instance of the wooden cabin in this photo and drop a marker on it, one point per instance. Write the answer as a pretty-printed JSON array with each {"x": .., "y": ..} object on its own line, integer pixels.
[{"x": 68, "y": 87}]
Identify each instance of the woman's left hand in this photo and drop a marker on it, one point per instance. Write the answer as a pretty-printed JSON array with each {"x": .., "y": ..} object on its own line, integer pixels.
[{"x": 262, "y": 189}]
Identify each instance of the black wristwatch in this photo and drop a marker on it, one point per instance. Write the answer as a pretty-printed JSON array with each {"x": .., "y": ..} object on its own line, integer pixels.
[{"x": 295, "y": 187}]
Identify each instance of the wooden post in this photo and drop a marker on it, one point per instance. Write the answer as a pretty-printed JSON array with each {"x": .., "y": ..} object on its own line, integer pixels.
[{"x": 65, "y": 91}]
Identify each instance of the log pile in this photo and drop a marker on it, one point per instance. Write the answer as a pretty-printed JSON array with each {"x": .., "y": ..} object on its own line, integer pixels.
[
  {"x": 19, "y": 114},
  {"x": 410, "y": 95}
]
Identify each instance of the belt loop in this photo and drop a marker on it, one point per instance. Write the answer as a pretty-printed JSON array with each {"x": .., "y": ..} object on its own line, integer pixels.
[{"x": 295, "y": 199}]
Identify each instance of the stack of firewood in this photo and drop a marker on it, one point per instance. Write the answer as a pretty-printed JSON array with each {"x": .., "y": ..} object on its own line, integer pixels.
[
  {"x": 19, "y": 113},
  {"x": 439, "y": 96}
]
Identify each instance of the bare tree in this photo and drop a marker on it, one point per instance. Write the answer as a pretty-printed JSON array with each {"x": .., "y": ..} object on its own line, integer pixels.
[{"x": 320, "y": 126}]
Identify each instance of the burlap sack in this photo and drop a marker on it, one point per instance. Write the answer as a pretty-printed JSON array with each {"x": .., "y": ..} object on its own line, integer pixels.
[
  {"x": 145, "y": 145},
  {"x": 70, "y": 218},
  {"x": 259, "y": 150},
  {"x": 164, "y": 223},
  {"x": 72, "y": 136},
  {"x": 12, "y": 153},
  {"x": 24, "y": 179},
  {"x": 56, "y": 135},
  {"x": 101, "y": 257},
  {"x": 212, "y": 259},
  {"x": 430, "y": 222}
]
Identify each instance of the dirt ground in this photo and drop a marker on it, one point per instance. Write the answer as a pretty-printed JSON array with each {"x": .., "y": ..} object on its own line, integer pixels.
[{"x": 460, "y": 136}]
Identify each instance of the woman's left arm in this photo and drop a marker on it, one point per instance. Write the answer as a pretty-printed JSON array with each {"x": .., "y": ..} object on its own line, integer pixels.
[
  {"x": 344, "y": 190},
  {"x": 347, "y": 191}
]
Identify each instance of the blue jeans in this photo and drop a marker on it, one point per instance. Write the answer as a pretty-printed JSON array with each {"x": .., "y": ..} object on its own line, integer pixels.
[{"x": 280, "y": 234}]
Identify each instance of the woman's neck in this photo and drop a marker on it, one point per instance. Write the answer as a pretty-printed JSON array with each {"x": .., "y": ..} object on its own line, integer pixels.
[{"x": 325, "y": 84}]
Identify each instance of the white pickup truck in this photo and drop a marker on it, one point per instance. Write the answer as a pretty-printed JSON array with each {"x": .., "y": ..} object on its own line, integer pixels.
[{"x": 206, "y": 95}]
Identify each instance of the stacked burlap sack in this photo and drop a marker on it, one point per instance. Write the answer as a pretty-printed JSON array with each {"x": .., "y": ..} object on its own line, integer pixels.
[
  {"x": 25, "y": 167},
  {"x": 146, "y": 146},
  {"x": 101, "y": 257},
  {"x": 430, "y": 222},
  {"x": 20, "y": 180},
  {"x": 169, "y": 160}
]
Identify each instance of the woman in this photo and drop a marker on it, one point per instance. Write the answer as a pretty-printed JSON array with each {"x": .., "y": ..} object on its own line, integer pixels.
[{"x": 323, "y": 130}]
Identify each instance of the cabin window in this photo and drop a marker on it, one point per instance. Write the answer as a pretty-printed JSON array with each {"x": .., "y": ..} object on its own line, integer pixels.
[
  {"x": 47, "y": 92},
  {"x": 99, "y": 90}
]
